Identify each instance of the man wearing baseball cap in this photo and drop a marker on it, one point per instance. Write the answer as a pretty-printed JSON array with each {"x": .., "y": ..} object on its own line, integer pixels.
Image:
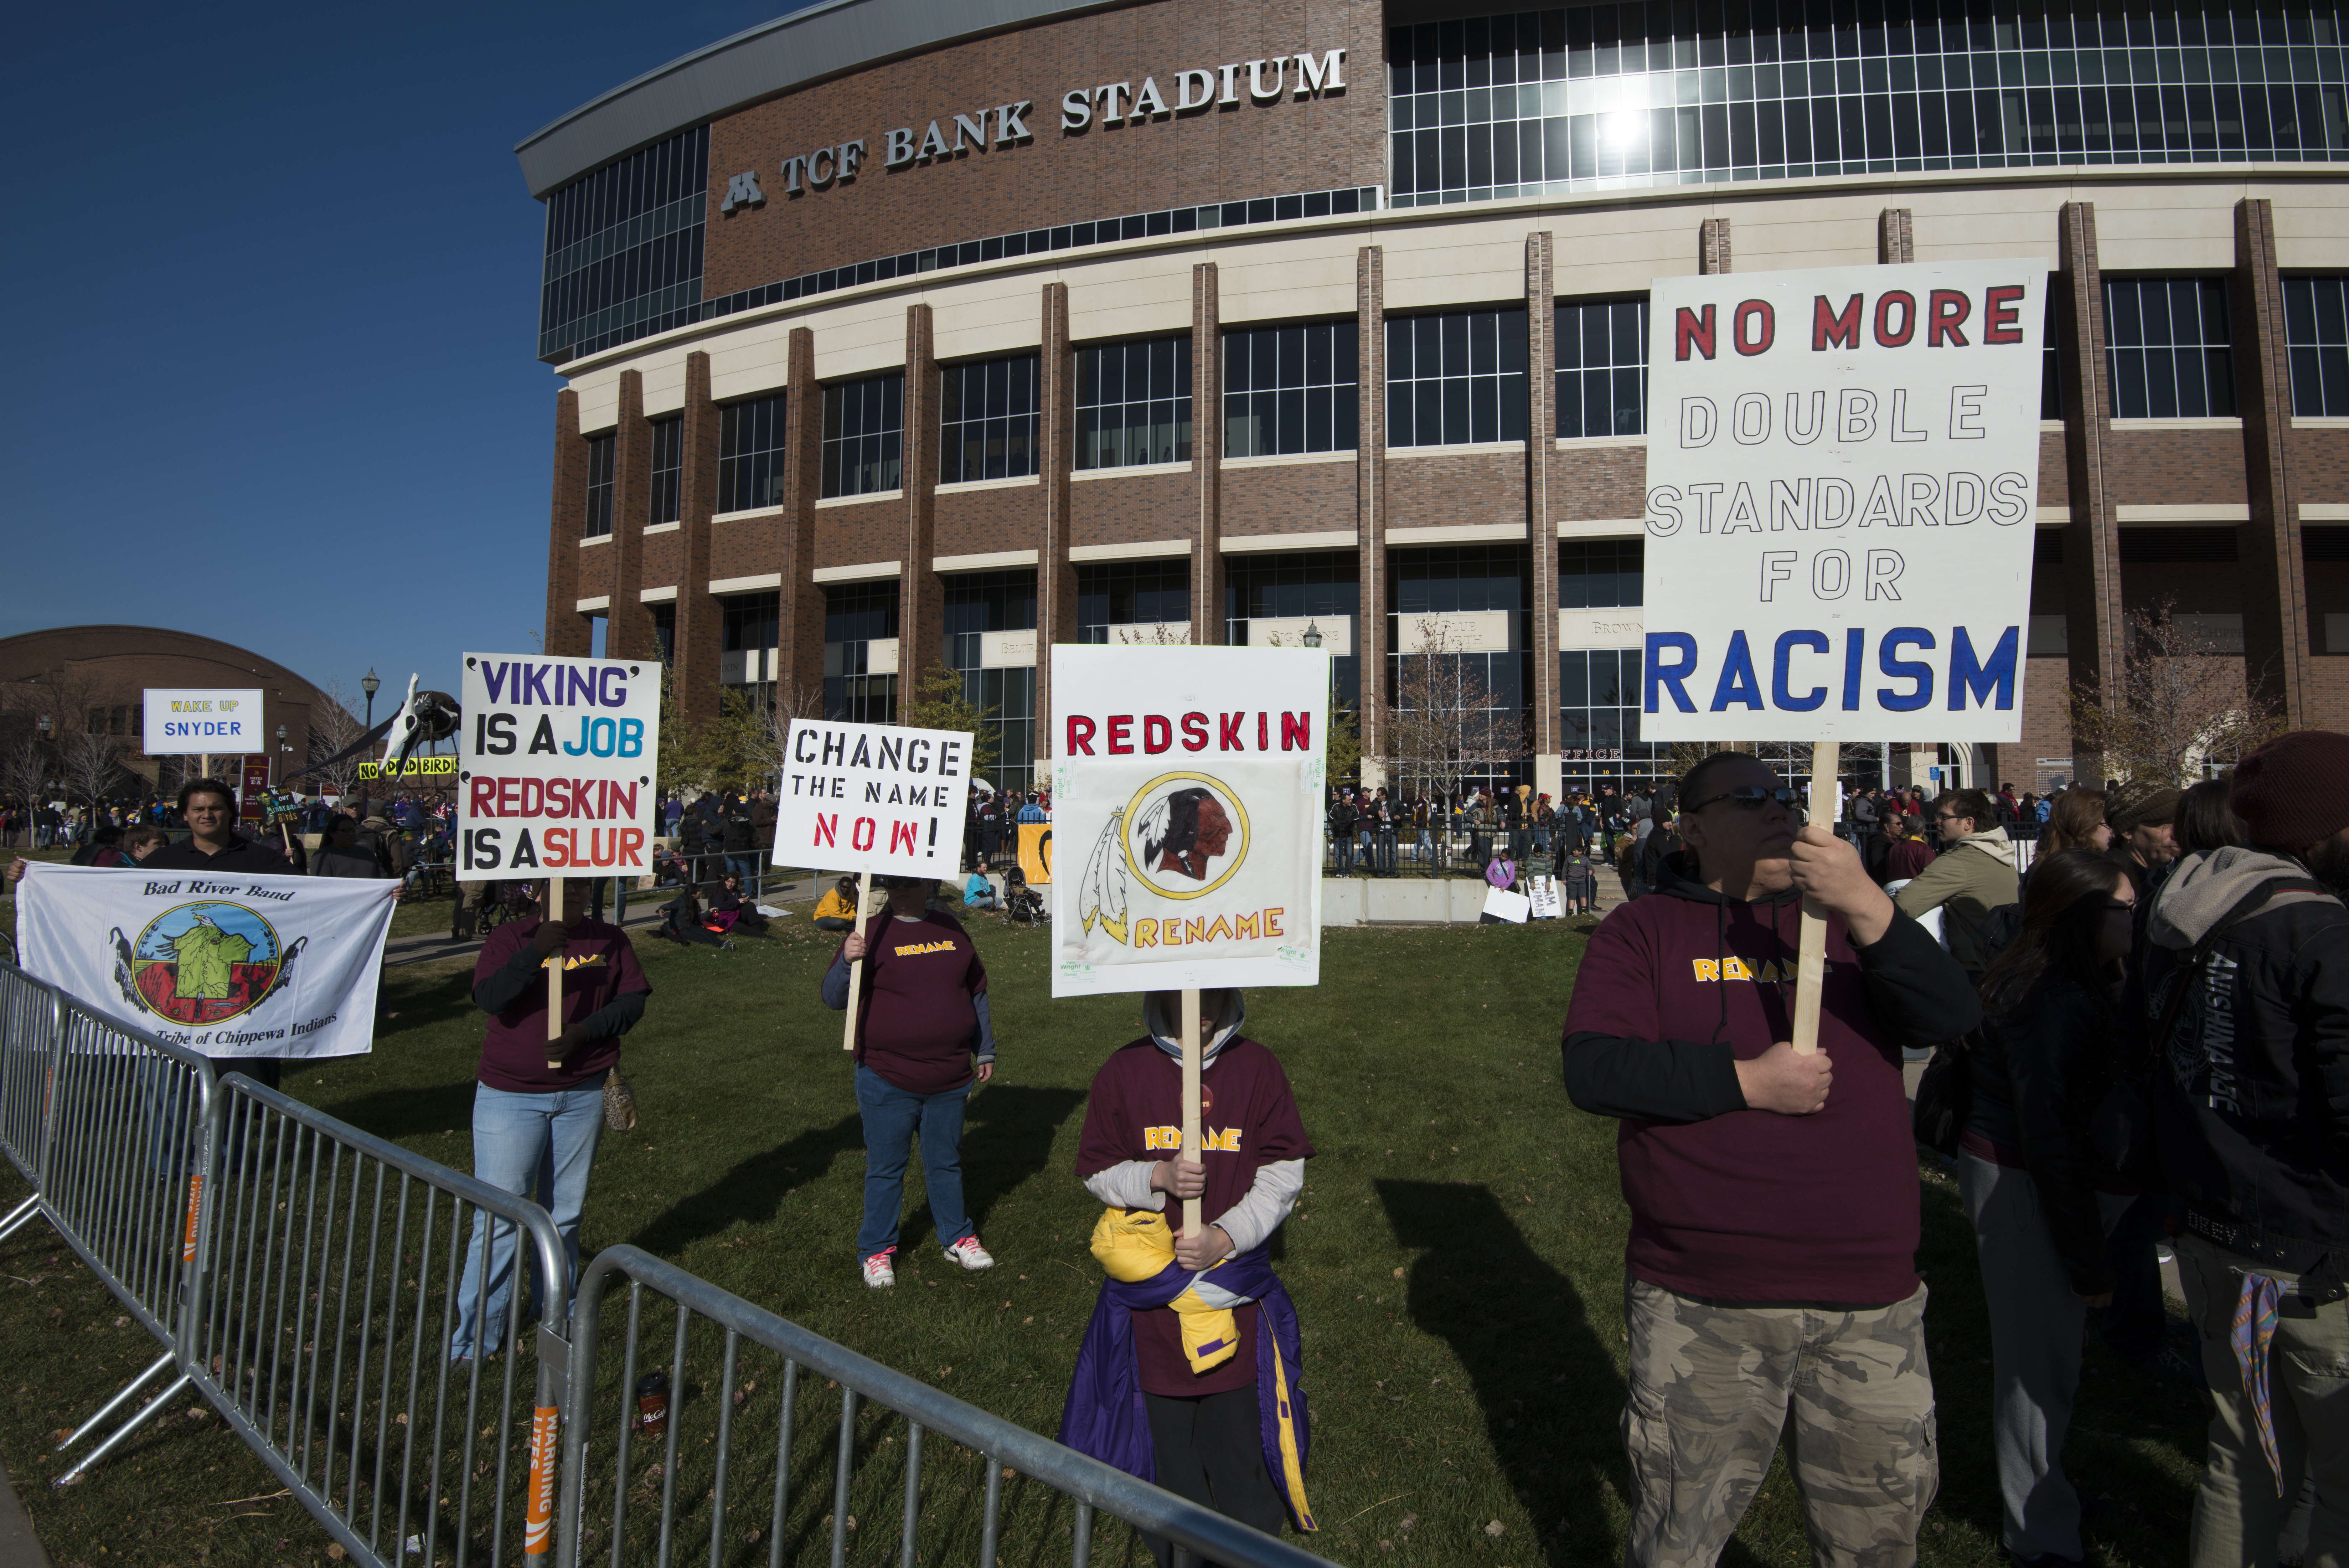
[
  {"x": 2239, "y": 1011},
  {"x": 2141, "y": 814}
]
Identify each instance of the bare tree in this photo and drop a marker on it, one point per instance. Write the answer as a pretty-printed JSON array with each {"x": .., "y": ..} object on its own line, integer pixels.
[
  {"x": 1446, "y": 722},
  {"x": 26, "y": 765},
  {"x": 334, "y": 728},
  {"x": 2179, "y": 702}
]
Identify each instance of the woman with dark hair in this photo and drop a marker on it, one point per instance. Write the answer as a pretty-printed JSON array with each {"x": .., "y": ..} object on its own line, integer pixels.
[
  {"x": 2205, "y": 822},
  {"x": 2029, "y": 1179},
  {"x": 2076, "y": 820}
]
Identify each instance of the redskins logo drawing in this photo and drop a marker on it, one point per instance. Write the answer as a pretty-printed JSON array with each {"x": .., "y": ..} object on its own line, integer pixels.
[
  {"x": 202, "y": 963},
  {"x": 1182, "y": 835}
]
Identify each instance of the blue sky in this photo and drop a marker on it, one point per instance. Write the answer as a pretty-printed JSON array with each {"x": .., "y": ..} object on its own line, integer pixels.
[{"x": 272, "y": 276}]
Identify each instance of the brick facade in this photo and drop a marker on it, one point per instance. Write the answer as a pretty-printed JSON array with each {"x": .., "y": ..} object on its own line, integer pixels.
[{"x": 2098, "y": 478}]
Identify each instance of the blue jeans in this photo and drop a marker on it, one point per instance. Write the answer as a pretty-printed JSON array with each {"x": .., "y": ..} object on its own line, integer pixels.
[
  {"x": 539, "y": 1147},
  {"x": 892, "y": 1117},
  {"x": 745, "y": 866},
  {"x": 1386, "y": 852},
  {"x": 1344, "y": 845}
]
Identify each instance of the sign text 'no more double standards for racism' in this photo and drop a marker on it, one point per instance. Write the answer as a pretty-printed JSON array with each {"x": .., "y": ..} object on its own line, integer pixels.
[
  {"x": 1842, "y": 482},
  {"x": 873, "y": 798},
  {"x": 555, "y": 765}
]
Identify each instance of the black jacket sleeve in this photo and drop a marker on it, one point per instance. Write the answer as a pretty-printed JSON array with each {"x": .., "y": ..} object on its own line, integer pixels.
[
  {"x": 1919, "y": 992},
  {"x": 616, "y": 1017},
  {"x": 504, "y": 989},
  {"x": 2052, "y": 1057},
  {"x": 1651, "y": 1080}
]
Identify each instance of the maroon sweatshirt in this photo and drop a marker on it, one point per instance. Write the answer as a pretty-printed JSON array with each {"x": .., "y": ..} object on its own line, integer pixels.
[{"x": 1740, "y": 1206}]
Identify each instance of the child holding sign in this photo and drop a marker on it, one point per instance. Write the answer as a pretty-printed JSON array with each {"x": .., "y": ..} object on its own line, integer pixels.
[{"x": 1199, "y": 1322}]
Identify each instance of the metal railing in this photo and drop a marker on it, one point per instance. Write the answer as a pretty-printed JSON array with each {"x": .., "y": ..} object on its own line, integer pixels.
[
  {"x": 339, "y": 1277},
  {"x": 751, "y": 1481},
  {"x": 316, "y": 1285}
]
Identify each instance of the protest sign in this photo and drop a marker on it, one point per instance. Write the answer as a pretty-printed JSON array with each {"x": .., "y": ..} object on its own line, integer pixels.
[
  {"x": 1546, "y": 905},
  {"x": 554, "y": 766},
  {"x": 1186, "y": 795},
  {"x": 230, "y": 965},
  {"x": 181, "y": 721},
  {"x": 879, "y": 799},
  {"x": 875, "y": 799},
  {"x": 1842, "y": 482}
]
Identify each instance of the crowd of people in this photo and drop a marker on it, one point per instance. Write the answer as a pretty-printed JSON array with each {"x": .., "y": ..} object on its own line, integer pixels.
[{"x": 2140, "y": 1050}]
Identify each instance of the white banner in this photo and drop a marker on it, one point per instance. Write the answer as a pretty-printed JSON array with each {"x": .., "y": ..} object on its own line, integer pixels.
[
  {"x": 872, "y": 797},
  {"x": 554, "y": 764},
  {"x": 1186, "y": 788},
  {"x": 1843, "y": 478},
  {"x": 182, "y": 720},
  {"x": 227, "y": 965}
]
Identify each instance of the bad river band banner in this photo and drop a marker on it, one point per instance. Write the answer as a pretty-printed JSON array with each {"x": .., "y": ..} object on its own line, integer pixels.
[
  {"x": 1187, "y": 816},
  {"x": 228, "y": 965}
]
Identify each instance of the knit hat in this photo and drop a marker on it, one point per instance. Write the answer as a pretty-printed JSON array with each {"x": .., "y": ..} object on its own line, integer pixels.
[
  {"x": 2289, "y": 791},
  {"x": 2137, "y": 803}
]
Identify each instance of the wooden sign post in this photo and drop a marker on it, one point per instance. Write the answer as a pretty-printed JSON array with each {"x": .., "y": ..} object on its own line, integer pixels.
[
  {"x": 856, "y": 966},
  {"x": 1192, "y": 1055},
  {"x": 1826, "y": 759},
  {"x": 554, "y": 969}
]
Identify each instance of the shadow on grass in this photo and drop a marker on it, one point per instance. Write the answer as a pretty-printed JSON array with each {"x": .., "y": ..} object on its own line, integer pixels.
[
  {"x": 1007, "y": 1139},
  {"x": 1546, "y": 1383},
  {"x": 752, "y": 1191}
]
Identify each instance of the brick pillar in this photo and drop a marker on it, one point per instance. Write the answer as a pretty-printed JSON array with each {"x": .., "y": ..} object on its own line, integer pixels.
[
  {"x": 1713, "y": 245},
  {"x": 1541, "y": 532},
  {"x": 1371, "y": 502},
  {"x": 698, "y": 615},
  {"x": 1207, "y": 457},
  {"x": 921, "y": 597},
  {"x": 2092, "y": 546},
  {"x": 799, "y": 630},
  {"x": 567, "y": 633},
  {"x": 2275, "y": 587},
  {"x": 628, "y": 630},
  {"x": 1056, "y": 574},
  {"x": 1895, "y": 240}
]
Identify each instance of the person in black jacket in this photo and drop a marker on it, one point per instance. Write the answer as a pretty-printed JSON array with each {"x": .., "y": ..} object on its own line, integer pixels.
[
  {"x": 2239, "y": 1016},
  {"x": 737, "y": 838},
  {"x": 1341, "y": 831},
  {"x": 2040, "y": 1064}
]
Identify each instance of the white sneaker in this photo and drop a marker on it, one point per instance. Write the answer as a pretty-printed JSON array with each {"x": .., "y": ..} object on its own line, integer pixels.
[
  {"x": 879, "y": 1273},
  {"x": 970, "y": 1254}
]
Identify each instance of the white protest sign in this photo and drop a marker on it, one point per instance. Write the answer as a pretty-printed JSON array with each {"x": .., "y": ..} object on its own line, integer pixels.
[
  {"x": 1186, "y": 788},
  {"x": 182, "y": 720},
  {"x": 555, "y": 765},
  {"x": 229, "y": 964},
  {"x": 877, "y": 798},
  {"x": 1842, "y": 482},
  {"x": 1546, "y": 904}
]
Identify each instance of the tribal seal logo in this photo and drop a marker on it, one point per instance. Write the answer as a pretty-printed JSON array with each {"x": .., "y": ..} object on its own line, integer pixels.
[
  {"x": 202, "y": 963},
  {"x": 1182, "y": 835}
]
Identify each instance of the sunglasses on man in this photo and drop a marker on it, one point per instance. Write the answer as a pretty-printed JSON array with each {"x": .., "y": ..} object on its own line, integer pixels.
[{"x": 1750, "y": 798}]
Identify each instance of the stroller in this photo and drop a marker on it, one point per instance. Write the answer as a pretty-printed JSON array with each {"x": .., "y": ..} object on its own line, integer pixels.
[{"x": 1022, "y": 904}]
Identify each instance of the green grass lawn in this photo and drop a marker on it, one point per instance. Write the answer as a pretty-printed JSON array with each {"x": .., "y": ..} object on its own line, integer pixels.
[{"x": 1456, "y": 1260}]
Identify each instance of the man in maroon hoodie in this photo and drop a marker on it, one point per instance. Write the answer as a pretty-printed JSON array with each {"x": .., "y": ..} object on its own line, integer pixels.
[{"x": 1774, "y": 1197}]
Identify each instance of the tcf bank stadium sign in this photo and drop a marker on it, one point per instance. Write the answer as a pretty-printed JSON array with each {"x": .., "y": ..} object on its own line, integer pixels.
[{"x": 1195, "y": 91}]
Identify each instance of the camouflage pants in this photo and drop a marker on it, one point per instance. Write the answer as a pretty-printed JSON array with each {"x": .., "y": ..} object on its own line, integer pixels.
[{"x": 1711, "y": 1390}]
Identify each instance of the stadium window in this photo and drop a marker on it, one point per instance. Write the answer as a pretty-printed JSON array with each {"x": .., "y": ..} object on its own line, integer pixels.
[
  {"x": 1602, "y": 368},
  {"x": 2316, "y": 330},
  {"x": 987, "y": 419},
  {"x": 863, "y": 435},
  {"x": 2051, "y": 358},
  {"x": 668, "y": 470},
  {"x": 1133, "y": 403},
  {"x": 599, "y": 484},
  {"x": 1290, "y": 388},
  {"x": 1456, "y": 379},
  {"x": 2168, "y": 346},
  {"x": 750, "y": 454}
]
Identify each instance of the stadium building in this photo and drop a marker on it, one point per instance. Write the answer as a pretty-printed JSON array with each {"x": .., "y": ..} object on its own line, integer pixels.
[{"x": 897, "y": 332}]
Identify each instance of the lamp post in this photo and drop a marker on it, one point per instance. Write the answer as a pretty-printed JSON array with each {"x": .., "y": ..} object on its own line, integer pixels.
[
  {"x": 1312, "y": 634},
  {"x": 274, "y": 763},
  {"x": 368, "y": 684}
]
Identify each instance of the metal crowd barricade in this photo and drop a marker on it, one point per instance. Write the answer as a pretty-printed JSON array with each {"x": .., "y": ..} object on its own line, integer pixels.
[
  {"x": 328, "y": 1288},
  {"x": 32, "y": 1017},
  {"x": 752, "y": 1480},
  {"x": 121, "y": 1180}
]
